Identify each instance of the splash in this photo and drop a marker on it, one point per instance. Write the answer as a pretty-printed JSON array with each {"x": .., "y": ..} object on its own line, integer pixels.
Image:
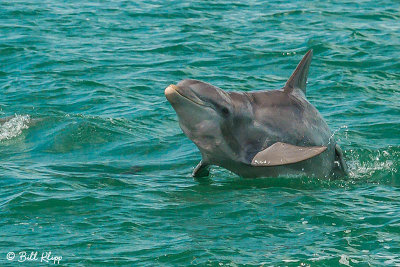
[
  {"x": 377, "y": 166},
  {"x": 336, "y": 131},
  {"x": 13, "y": 126}
]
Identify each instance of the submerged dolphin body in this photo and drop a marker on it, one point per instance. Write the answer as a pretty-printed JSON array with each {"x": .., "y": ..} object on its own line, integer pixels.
[{"x": 257, "y": 134}]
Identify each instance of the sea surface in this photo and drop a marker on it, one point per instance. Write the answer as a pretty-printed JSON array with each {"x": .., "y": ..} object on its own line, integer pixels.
[{"x": 94, "y": 167}]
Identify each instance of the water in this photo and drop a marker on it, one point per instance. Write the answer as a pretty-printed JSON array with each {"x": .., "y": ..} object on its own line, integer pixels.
[{"x": 94, "y": 167}]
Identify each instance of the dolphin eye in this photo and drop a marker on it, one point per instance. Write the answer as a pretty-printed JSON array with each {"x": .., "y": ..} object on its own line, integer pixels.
[{"x": 225, "y": 112}]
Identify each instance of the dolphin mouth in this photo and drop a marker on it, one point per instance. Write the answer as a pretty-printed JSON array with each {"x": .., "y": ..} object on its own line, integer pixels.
[{"x": 172, "y": 90}]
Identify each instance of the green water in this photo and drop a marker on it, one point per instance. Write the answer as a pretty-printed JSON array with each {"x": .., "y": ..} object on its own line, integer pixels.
[{"x": 94, "y": 167}]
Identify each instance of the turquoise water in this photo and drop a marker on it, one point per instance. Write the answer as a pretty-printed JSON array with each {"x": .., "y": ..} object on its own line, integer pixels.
[{"x": 95, "y": 168}]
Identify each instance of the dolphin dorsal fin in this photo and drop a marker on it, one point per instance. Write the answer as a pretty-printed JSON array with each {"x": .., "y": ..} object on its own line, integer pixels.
[{"x": 298, "y": 80}]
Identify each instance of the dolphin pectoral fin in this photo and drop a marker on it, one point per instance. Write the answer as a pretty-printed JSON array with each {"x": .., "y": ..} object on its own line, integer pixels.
[
  {"x": 282, "y": 154},
  {"x": 298, "y": 79},
  {"x": 339, "y": 158},
  {"x": 201, "y": 170}
]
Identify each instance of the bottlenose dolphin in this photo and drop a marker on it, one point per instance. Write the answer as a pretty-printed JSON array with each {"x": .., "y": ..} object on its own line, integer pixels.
[{"x": 257, "y": 134}]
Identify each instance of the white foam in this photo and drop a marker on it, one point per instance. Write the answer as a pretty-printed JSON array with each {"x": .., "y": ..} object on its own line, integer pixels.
[
  {"x": 344, "y": 259},
  {"x": 290, "y": 260},
  {"x": 14, "y": 126}
]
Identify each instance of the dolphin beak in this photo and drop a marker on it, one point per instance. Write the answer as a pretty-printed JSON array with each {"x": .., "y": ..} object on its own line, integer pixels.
[
  {"x": 171, "y": 89},
  {"x": 174, "y": 95},
  {"x": 171, "y": 93}
]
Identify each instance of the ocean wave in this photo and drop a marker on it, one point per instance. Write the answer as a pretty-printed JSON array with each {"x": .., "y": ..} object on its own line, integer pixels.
[{"x": 12, "y": 127}]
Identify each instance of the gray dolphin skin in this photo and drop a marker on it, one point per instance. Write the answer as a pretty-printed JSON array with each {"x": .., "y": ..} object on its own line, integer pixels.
[{"x": 257, "y": 134}]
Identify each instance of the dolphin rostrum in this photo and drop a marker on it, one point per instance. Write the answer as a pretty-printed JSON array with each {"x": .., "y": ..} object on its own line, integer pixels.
[{"x": 257, "y": 134}]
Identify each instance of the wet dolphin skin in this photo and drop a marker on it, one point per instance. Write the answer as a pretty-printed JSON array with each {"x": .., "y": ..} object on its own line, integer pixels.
[{"x": 257, "y": 134}]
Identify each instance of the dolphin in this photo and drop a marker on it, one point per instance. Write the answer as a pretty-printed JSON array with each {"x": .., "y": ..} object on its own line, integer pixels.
[{"x": 257, "y": 134}]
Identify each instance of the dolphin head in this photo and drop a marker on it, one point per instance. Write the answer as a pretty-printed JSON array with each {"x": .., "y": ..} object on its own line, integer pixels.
[{"x": 203, "y": 110}]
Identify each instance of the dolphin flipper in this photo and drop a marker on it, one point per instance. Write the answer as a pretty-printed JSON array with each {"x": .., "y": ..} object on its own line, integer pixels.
[
  {"x": 339, "y": 158},
  {"x": 201, "y": 170},
  {"x": 298, "y": 79},
  {"x": 282, "y": 154}
]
